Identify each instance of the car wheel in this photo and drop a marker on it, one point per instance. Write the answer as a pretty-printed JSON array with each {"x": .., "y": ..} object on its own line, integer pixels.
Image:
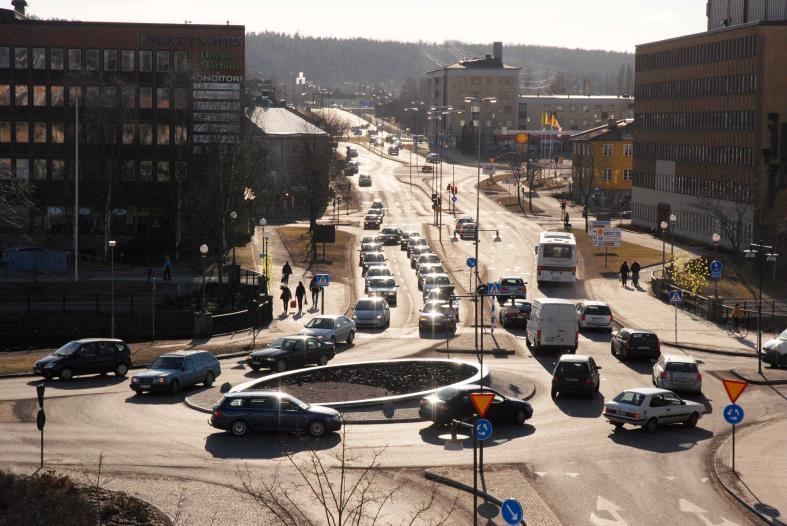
[
  {"x": 208, "y": 379},
  {"x": 783, "y": 361},
  {"x": 692, "y": 421},
  {"x": 66, "y": 373},
  {"x": 121, "y": 369},
  {"x": 554, "y": 393},
  {"x": 650, "y": 426},
  {"x": 618, "y": 426},
  {"x": 281, "y": 365},
  {"x": 350, "y": 337},
  {"x": 239, "y": 428},
  {"x": 255, "y": 368},
  {"x": 333, "y": 341},
  {"x": 521, "y": 416},
  {"x": 316, "y": 428},
  {"x": 612, "y": 349},
  {"x": 323, "y": 359},
  {"x": 175, "y": 387}
]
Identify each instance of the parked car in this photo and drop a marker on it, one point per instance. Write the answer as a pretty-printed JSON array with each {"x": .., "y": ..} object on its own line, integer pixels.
[
  {"x": 468, "y": 231},
  {"x": 175, "y": 370},
  {"x": 426, "y": 259},
  {"x": 372, "y": 258},
  {"x": 406, "y": 237},
  {"x": 552, "y": 325},
  {"x": 650, "y": 407},
  {"x": 372, "y": 312},
  {"x": 454, "y": 403},
  {"x": 774, "y": 352},
  {"x": 330, "y": 328},
  {"x": 594, "y": 315},
  {"x": 635, "y": 343},
  {"x": 512, "y": 287},
  {"x": 677, "y": 372},
  {"x": 246, "y": 411},
  {"x": 368, "y": 248},
  {"x": 426, "y": 269},
  {"x": 383, "y": 287},
  {"x": 390, "y": 235},
  {"x": 371, "y": 221},
  {"x": 576, "y": 373},
  {"x": 291, "y": 352},
  {"x": 461, "y": 221},
  {"x": 515, "y": 312},
  {"x": 86, "y": 356},
  {"x": 436, "y": 317}
]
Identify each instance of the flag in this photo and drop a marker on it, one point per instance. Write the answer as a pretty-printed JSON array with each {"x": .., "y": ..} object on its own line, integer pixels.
[
  {"x": 545, "y": 120},
  {"x": 555, "y": 124}
]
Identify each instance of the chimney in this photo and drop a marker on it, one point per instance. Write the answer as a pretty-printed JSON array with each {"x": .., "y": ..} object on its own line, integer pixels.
[
  {"x": 19, "y": 6},
  {"x": 497, "y": 49}
]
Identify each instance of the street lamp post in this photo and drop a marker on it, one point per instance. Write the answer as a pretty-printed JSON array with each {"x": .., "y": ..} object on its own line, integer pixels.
[
  {"x": 264, "y": 222},
  {"x": 112, "y": 244},
  {"x": 758, "y": 251},
  {"x": 663, "y": 226},
  {"x": 716, "y": 238},
  {"x": 233, "y": 216},
  {"x": 203, "y": 250},
  {"x": 672, "y": 220}
]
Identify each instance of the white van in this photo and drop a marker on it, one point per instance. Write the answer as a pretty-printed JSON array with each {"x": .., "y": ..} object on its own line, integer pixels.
[{"x": 552, "y": 325}]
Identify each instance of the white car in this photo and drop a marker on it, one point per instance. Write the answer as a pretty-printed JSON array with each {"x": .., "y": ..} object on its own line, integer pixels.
[
  {"x": 677, "y": 372},
  {"x": 376, "y": 271},
  {"x": 650, "y": 407},
  {"x": 330, "y": 328},
  {"x": 437, "y": 281},
  {"x": 383, "y": 287},
  {"x": 774, "y": 351},
  {"x": 594, "y": 315},
  {"x": 372, "y": 312}
]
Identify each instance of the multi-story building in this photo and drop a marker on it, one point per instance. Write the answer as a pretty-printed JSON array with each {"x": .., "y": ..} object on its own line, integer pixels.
[
  {"x": 448, "y": 86},
  {"x": 726, "y": 13},
  {"x": 710, "y": 136},
  {"x": 150, "y": 98},
  {"x": 602, "y": 165},
  {"x": 573, "y": 112}
]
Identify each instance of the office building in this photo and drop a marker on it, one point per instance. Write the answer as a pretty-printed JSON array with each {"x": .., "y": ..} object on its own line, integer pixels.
[
  {"x": 573, "y": 112},
  {"x": 602, "y": 165}
]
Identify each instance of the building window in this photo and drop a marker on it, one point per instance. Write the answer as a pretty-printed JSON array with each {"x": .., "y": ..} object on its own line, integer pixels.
[
  {"x": 181, "y": 135},
  {"x": 162, "y": 98},
  {"x": 181, "y": 98},
  {"x": 128, "y": 94},
  {"x": 39, "y": 132},
  {"x": 145, "y": 60},
  {"x": 91, "y": 59},
  {"x": 5, "y": 94},
  {"x": 127, "y": 60},
  {"x": 108, "y": 96},
  {"x": 56, "y": 96},
  {"x": 181, "y": 61},
  {"x": 162, "y": 134},
  {"x": 5, "y": 168},
  {"x": 58, "y": 169},
  {"x": 23, "y": 169},
  {"x": 92, "y": 94},
  {"x": 56, "y": 59},
  {"x": 181, "y": 170},
  {"x": 146, "y": 170},
  {"x": 39, "y": 169},
  {"x": 607, "y": 150},
  {"x": 162, "y": 61},
  {"x": 127, "y": 171},
  {"x": 110, "y": 60},
  {"x": 21, "y": 98},
  {"x": 39, "y": 95},
  {"x": 5, "y": 57},
  {"x": 628, "y": 175},
  {"x": 606, "y": 174},
  {"x": 628, "y": 150},
  {"x": 145, "y": 98},
  {"x": 39, "y": 58},
  {"x": 146, "y": 134},
  {"x": 162, "y": 172},
  {"x": 129, "y": 134},
  {"x": 20, "y": 58},
  {"x": 5, "y": 131},
  {"x": 58, "y": 133},
  {"x": 74, "y": 59}
]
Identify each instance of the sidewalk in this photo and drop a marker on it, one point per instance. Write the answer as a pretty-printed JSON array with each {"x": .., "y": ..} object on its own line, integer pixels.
[{"x": 758, "y": 481}]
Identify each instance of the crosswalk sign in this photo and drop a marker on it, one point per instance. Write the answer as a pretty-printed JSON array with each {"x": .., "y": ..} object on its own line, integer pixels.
[
  {"x": 492, "y": 288},
  {"x": 322, "y": 280},
  {"x": 675, "y": 297}
]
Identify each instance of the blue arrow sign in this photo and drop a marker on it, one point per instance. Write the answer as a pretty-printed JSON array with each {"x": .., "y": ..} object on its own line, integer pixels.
[
  {"x": 512, "y": 512},
  {"x": 483, "y": 429},
  {"x": 675, "y": 297},
  {"x": 715, "y": 269},
  {"x": 733, "y": 414},
  {"x": 470, "y": 262},
  {"x": 454, "y": 199},
  {"x": 322, "y": 280}
]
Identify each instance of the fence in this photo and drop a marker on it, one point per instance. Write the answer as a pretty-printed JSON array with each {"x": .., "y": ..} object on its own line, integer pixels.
[
  {"x": 242, "y": 320},
  {"x": 30, "y": 302}
]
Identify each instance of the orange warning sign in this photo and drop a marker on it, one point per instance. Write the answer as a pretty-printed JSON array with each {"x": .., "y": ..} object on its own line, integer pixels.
[
  {"x": 734, "y": 388},
  {"x": 482, "y": 401}
]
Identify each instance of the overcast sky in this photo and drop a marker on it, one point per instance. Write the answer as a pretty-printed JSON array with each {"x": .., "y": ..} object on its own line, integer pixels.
[{"x": 595, "y": 24}]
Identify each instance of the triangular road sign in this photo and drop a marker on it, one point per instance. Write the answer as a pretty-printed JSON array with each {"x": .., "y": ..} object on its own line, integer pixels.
[
  {"x": 482, "y": 401},
  {"x": 734, "y": 388}
]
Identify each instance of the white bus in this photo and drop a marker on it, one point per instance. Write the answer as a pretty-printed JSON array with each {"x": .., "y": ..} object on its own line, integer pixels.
[{"x": 556, "y": 258}]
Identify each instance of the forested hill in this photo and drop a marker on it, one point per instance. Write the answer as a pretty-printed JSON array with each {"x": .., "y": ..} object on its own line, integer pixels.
[{"x": 332, "y": 62}]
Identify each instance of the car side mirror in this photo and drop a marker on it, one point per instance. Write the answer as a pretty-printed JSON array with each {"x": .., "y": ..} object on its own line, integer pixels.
[
  {"x": 598, "y": 367},
  {"x": 682, "y": 402},
  {"x": 653, "y": 361}
]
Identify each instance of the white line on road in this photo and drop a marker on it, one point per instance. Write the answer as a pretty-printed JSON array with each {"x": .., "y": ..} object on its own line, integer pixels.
[{"x": 610, "y": 508}]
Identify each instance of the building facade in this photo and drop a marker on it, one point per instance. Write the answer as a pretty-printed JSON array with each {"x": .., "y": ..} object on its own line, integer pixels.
[
  {"x": 726, "y": 13},
  {"x": 603, "y": 165},
  {"x": 709, "y": 142},
  {"x": 476, "y": 78},
  {"x": 573, "y": 112},
  {"x": 150, "y": 98}
]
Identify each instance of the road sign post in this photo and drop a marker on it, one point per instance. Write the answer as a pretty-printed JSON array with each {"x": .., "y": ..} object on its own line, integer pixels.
[
  {"x": 675, "y": 297},
  {"x": 733, "y": 413},
  {"x": 483, "y": 429},
  {"x": 41, "y": 417},
  {"x": 715, "y": 274},
  {"x": 323, "y": 280}
]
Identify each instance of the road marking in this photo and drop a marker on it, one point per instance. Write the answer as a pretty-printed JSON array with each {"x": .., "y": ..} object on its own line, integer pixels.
[
  {"x": 704, "y": 479},
  {"x": 611, "y": 508},
  {"x": 668, "y": 477},
  {"x": 572, "y": 475},
  {"x": 541, "y": 473},
  {"x": 690, "y": 507}
]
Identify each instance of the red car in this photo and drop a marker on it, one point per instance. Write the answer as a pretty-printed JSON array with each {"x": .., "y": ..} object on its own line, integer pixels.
[{"x": 514, "y": 312}]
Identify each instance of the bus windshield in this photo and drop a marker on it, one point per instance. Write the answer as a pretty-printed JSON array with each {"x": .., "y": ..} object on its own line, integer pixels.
[{"x": 557, "y": 251}]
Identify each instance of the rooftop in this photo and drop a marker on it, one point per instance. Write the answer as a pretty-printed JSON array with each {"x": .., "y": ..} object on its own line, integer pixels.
[
  {"x": 574, "y": 98},
  {"x": 614, "y": 130},
  {"x": 281, "y": 121}
]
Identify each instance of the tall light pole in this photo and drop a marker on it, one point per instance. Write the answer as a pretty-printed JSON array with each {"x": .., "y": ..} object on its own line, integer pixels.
[
  {"x": 663, "y": 226},
  {"x": 672, "y": 220},
  {"x": 203, "y": 250},
  {"x": 758, "y": 251},
  {"x": 264, "y": 222},
  {"x": 233, "y": 216},
  {"x": 716, "y": 238},
  {"x": 76, "y": 192},
  {"x": 112, "y": 244}
]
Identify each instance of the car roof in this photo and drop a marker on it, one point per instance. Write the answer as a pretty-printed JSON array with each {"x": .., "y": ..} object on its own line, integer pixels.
[
  {"x": 595, "y": 303},
  {"x": 183, "y": 354},
  {"x": 512, "y": 277},
  {"x": 329, "y": 316},
  {"x": 647, "y": 390},
  {"x": 92, "y": 340},
  {"x": 248, "y": 394},
  {"x": 682, "y": 358},
  {"x": 574, "y": 358},
  {"x": 643, "y": 331},
  {"x": 375, "y": 299}
]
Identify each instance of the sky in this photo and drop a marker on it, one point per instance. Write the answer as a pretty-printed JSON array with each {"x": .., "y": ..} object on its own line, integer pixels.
[{"x": 617, "y": 25}]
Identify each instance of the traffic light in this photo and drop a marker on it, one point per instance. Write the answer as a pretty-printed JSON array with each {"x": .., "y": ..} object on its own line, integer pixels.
[
  {"x": 448, "y": 188},
  {"x": 454, "y": 189}
]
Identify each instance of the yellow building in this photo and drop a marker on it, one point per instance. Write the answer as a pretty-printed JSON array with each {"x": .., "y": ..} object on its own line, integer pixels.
[{"x": 603, "y": 165}]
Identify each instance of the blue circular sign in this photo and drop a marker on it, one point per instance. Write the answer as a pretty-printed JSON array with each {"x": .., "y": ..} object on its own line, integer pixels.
[
  {"x": 733, "y": 414},
  {"x": 512, "y": 512},
  {"x": 483, "y": 429},
  {"x": 470, "y": 262},
  {"x": 716, "y": 266},
  {"x": 453, "y": 199}
]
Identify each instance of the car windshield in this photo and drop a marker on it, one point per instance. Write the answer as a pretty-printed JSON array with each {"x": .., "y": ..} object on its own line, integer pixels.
[
  {"x": 682, "y": 367},
  {"x": 572, "y": 369},
  {"x": 302, "y": 405},
  {"x": 320, "y": 323},
  {"x": 425, "y": 270},
  {"x": 783, "y": 336},
  {"x": 367, "y": 305},
  {"x": 446, "y": 394},
  {"x": 629, "y": 398},
  {"x": 382, "y": 283},
  {"x": 68, "y": 349},
  {"x": 438, "y": 280},
  {"x": 389, "y": 231},
  {"x": 168, "y": 362},
  {"x": 378, "y": 272},
  {"x": 374, "y": 257},
  {"x": 597, "y": 310},
  {"x": 283, "y": 343},
  {"x": 512, "y": 282}
]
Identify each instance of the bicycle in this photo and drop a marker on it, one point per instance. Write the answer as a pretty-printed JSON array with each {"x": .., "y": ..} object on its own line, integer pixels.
[{"x": 742, "y": 328}]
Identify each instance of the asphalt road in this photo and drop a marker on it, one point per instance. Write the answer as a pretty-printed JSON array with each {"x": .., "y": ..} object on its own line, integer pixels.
[{"x": 586, "y": 473}]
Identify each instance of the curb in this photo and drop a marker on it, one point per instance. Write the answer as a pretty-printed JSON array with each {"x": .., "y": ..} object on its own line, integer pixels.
[
  {"x": 758, "y": 382},
  {"x": 195, "y": 407},
  {"x": 471, "y": 351}
]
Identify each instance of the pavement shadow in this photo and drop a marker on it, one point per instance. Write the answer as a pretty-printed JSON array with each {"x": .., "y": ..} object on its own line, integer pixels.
[
  {"x": 597, "y": 335},
  {"x": 266, "y": 445},
  {"x": 501, "y": 434},
  {"x": 81, "y": 382},
  {"x": 547, "y": 360},
  {"x": 667, "y": 439},
  {"x": 639, "y": 365},
  {"x": 164, "y": 399},
  {"x": 580, "y": 406},
  {"x": 700, "y": 398}
]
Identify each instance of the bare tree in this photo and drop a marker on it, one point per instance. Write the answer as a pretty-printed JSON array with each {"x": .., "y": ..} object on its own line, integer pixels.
[
  {"x": 584, "y": 174},
  {"x": 730, "y": 217},
  {"x": 533, "y": 171},
  {"x": 15, "y": 198}
]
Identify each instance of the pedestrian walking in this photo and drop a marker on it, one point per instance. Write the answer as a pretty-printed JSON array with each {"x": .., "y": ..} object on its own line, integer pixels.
[
  {"x": 286, "y": 295},
  {"x": 286, "y": 270},
  {"x": 624, "y": 273},
  {"x": 167, "y": 269},
  {"x": 635, "y": 268},
  {"x": 300, "y": 295},
  {"x": 315, "y": 290}
]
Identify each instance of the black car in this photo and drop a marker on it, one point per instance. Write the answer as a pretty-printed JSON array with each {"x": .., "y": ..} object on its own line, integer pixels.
[
  {"x": 291, "y": 352},
  {"x": 175, "y": 370},
  {"x": 575, "y": 373},
  {"x": 241, "y": 412},
  {"x": 635, "y": 343},
  {"x": 515, "y": 312},
  {"x": 454, "y": 403},
  {"x": 371, "y": 222},
  {"x": 87, "y": 356},
  {"x": 437, "y": 317}
]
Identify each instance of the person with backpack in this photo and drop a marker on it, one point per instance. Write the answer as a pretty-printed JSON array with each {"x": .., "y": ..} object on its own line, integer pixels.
[
  {"x": 624, "y": 273},
  {"x": 635, "y": 268},
  {"x": 286, "y": 295}
]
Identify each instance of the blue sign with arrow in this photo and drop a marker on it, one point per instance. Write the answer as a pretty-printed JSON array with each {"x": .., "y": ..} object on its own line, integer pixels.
[
  {"x": 512, "y": 512},
  {"x": 454, "y": 199},
  {"x": 483, "y": 429},
  {"x": 715, "y": 269},
  {"x": 733, "y": 414},
  {"x": 470, "y": 262},
  {"x": 322, "y": 280},
  {"x": 675, "y": 297}
]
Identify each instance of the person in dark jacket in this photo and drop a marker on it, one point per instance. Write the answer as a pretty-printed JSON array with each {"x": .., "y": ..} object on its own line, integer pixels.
[
  {"x": 624, "y": 273},
  {"x": 286, "y": 270},
  {"x": 315, "y": 290},
  {"x": 300, "y": 294},
  {"x": 635, "y": 268},
  {"x": 286, "y": 295}
]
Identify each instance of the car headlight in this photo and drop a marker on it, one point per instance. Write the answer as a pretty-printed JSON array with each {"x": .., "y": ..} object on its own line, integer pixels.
[
  {"x": 321, "y": 337},
  {"x": 355, "y": 317},
  {"x": 49, "y": 365},
  {"x": 161, "y": 380},
  {"x": 379, "y": 316},
  {"x": 134, "y": 380}
]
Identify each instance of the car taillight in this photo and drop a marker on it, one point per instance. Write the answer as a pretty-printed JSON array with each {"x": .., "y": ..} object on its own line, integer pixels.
[
  {"x": 538, "y": 334},
  {"x": 539, "y": 268},
  {"x": 628, "y": 344},
  {"x": 663, "y": 374},
  {"x": 699, "y": 377},
  {"x": 217, "y": 413},
  {"x": 555, "y": 379},
  {"x": 610, "y": 317},
  {"x": 583, "y": 317},
  {"x": 606, "y": 410},
  {"x": 588, "y": 380}
]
